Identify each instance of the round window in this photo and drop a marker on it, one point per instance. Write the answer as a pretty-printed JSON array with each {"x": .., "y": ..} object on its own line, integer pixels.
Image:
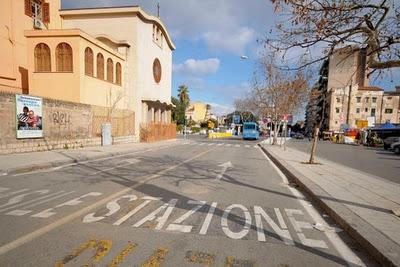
[{"x": 157, "y": 70}]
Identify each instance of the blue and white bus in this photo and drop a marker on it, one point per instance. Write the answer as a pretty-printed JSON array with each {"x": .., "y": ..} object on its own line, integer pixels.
[{"x": 251, "y": 130}]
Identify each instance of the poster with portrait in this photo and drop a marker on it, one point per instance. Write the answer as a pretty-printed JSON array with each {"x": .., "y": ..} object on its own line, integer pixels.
[{"x": 29, "y": 120}]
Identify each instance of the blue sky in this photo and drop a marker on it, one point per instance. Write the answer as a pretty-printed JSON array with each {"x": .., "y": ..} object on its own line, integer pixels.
[{"x": 210, "y": 36}]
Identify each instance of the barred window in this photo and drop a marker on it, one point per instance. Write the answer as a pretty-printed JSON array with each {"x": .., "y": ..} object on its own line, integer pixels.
[
  {"x": 42, "y": 58},
  {"x": 89, "y": 61},
  {"x": 100, "y": 66},
  {"x": 64, "y": 57},
  {"x": 110, "y": 70},
  {"x": 118, "y": 70}
]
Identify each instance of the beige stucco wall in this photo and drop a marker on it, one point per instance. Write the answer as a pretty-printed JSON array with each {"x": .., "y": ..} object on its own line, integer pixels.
[
  {"x": 197, "y": 111},
  {"x": 138, "y": 71},
  {"x": 14, "y": 60}
]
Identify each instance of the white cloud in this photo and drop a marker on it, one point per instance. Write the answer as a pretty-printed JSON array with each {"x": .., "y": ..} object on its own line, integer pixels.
[
  {"x": 193, "y": 67},
  {"x": 233, "y": 42},
  {"x": 218, "y": 109}
]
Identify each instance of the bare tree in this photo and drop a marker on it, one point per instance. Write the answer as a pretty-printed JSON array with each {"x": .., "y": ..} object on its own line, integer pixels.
[
  {"x": 276, "y": 93},
  {"x": 328, "y": 25}
]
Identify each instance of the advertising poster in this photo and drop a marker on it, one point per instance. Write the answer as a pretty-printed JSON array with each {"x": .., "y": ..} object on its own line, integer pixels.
[{"x": 29, "y": 121}]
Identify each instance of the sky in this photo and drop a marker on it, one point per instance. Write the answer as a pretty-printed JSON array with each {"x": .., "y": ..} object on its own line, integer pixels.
[{"x": 210, "y": 37}]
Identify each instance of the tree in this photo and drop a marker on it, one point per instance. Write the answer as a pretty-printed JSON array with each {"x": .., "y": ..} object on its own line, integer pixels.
[
  {"x": 183, "y": 94},
  {"x": 275, "y": 92},
  {"x": 328, "y": 25}
]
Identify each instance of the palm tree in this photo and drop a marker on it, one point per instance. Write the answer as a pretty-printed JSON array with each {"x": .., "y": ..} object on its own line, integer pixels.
[{"x": 183, "y": 94}]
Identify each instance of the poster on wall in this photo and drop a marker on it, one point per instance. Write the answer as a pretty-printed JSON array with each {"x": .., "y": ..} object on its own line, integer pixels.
[{"x": 29, "y": 116}]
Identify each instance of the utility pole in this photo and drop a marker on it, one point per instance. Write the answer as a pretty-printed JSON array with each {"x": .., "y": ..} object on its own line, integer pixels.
[{"x": 158, "y": 10}]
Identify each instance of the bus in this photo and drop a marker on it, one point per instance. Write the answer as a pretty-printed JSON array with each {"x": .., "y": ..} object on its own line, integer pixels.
[{"x": 251, "y": 130}]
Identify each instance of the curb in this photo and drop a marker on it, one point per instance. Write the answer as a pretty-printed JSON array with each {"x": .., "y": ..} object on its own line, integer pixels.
[
  {"x": 48, "y": 165},
  {"x": 385, "y": 251}
]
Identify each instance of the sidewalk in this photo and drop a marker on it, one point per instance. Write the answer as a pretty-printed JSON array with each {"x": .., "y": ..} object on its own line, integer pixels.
[
  {"x": 360, "y": 203},
  {"x": 25, "y": 162}
]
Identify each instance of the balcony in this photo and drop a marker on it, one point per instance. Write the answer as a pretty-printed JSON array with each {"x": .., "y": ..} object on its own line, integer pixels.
[{"x": 71, "y": 65}]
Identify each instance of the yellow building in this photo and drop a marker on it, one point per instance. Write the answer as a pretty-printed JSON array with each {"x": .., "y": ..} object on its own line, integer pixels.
[
  {"x": 79, "y": 56},
  {"x": 198, "y": 112}
]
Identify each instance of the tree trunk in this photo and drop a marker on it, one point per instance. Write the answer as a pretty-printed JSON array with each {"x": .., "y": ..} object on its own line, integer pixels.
[{"x": 314, "y": 145}]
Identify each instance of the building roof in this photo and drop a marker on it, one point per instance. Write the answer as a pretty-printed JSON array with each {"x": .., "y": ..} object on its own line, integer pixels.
[
  {"x": 125, "y": 10},
  {"x": 370, "y": 88}
]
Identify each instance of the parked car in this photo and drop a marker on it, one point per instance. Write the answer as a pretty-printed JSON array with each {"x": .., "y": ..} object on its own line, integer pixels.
[
  {"x": 298, "y": 136},
  {"x": 390, "y": 140},
  {"x": 395, "y": 147}
]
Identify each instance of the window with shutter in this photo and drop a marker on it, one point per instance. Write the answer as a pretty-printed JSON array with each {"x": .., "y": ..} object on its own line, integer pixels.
[
  {"x": 64, "y": 57},
  {"x": 42, "y": 58},
  {"x": 100, "y": 66},
  {"x": 46, "y": 12},
  {"x": 28, "y": 8},
  {"x": 118, "y": 70},
  {"x": 89, "y": 61},
  {"x": 110, "y": 71}
]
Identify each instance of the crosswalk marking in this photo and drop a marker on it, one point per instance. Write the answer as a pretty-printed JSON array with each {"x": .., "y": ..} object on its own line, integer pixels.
[{"x": 219, "y": 144}]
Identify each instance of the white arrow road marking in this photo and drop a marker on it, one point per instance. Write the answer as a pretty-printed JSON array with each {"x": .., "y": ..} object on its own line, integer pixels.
[
  {"x": 225, "y": 166},
  {"x": 129, "y": 162}
]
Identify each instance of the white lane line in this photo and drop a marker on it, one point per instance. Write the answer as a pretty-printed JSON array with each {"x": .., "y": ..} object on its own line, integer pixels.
[
  {"x": 202, "y": 144},
  {"x": 210, "y": 144},
  {"x": 14, "y": 193},
  {"x": 220, "y": 144},
  {"x": 92, "y": 160},
  {"x": 347, "y": 254},
  {"x": 130, "y": 162},
  {"x": 23, "y": 210},
  {"x": 41, "y": 231},
  {"x": 228, "y": 145},
  {"x": 255, "y": 146},
  {"x": 237, "y": 145},
  {"x": 20, "y": 198},
  {"x": 247, "y": 146}
]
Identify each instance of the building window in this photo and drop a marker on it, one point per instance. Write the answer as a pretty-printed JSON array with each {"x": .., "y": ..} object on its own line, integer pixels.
[
  {"x": 337, "y": 99},
  {"x": 374, "y": 100},
  {"x": 366, "y": 109},
  {"x": 100, "y": 66},
  {"x": 366, "y": 99},
  {"x": 357, "y": 110},
  {"x": 157, "y": 70},
  {"x": 118, "y": 71},
  {"x": 64, "y": 57},
  {"x": 358, "y": 99},
  {"x": 42, "y": 58},
  {"x": 110, "y": 70},
  {"x": 337, "y": 110},
  {"x": 373, "y": 111},
  {"x": 388, "y": 110},
  {"x": 88, "y": 61}
]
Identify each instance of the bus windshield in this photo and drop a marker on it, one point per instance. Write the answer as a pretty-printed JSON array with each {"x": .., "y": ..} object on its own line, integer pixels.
[{"x": 249, "y": 127}]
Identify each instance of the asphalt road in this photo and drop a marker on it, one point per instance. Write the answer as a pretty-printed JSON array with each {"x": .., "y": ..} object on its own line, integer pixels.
[
  {"x": 376, "y": 161},
  {"x": 199, "y": 203}
]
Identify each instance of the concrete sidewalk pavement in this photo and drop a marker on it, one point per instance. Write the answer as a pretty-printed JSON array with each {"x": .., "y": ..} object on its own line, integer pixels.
[
  {"x": 362, "y": 204},
  {"x": 25, "y": 162}
]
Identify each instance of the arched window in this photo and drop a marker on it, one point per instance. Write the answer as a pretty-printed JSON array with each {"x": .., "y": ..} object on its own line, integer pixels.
[
  {"x": 118, "y": 70},
  {"x": 64, "y": 57},
  {"x": 88, "y": 61},
  {"x": 42, "y": 58},
  {"x": 110, "y": 70},
  {"x": 100, "y": 66}
]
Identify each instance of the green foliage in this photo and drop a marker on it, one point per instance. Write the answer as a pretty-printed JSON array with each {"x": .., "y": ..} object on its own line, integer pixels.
[
  {"x": 204, "y": 124},
  {"x": 196, "y": 129},
  {"x": 181, "y": 103},
  {"x": 179, "y": 128}
]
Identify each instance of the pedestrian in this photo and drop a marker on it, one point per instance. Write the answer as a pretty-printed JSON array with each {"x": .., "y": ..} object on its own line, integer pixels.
[{"x": 337, "y": 138}]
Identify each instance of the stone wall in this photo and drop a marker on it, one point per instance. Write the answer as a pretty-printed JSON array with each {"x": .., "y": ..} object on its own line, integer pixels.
[{"x": 65, "y": 125}]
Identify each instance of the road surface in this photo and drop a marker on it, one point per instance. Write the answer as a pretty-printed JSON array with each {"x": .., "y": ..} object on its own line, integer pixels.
[{"x": 198, "y": 203}]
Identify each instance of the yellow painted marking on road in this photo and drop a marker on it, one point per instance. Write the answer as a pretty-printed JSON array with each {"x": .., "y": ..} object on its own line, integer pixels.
[
  {"x": 156, "y": 259},
  {"x": 122, "y": 255},
  {"x": 102, "y": 248},
  {"x": 41, "y": 231},
  {"x": 200, "y": 257},
  {"x": 233, "y": 262}
]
